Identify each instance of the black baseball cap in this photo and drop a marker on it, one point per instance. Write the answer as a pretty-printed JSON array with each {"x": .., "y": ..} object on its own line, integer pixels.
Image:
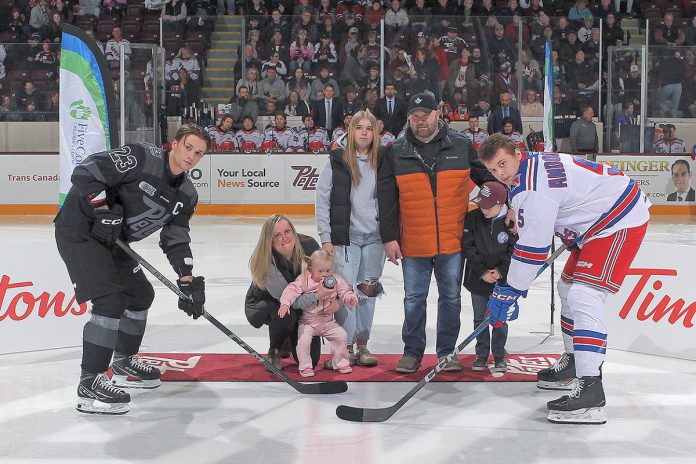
[{"x": 422, "y": 101}]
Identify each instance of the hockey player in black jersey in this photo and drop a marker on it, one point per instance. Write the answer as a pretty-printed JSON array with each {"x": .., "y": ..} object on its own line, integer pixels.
[{"x": 129, "y": 193}]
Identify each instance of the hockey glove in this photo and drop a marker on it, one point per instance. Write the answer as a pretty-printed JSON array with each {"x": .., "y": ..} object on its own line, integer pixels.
[
  {"x": 502, "y": 305},
  {"x": 107, "y": 224},
  {"x": 196, "y": 290}
]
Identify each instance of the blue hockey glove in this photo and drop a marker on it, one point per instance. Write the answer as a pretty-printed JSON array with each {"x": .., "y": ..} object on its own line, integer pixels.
[{"x": 502, "y": 305}]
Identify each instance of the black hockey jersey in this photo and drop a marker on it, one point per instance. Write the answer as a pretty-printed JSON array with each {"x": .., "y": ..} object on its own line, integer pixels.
[{"x": 136, "y": 176}]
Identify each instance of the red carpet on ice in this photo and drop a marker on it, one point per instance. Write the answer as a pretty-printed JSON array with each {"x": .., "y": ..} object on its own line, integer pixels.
[{"x": 202, "y": 367}]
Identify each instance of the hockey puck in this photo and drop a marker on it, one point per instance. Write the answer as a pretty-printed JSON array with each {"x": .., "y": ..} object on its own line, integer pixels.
[{"x": 329, "y": 282}]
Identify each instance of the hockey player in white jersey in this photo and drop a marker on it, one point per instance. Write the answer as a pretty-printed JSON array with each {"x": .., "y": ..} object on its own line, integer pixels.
[
  {"x": 603, "y": 214},
  {"x": 509, "y": 131},
  {"x": 279, "y": 137},
  {"x": 222, "y": 136},
  {"x": 386, "y": 138},
  {"x": 312, "y": 138},
  {"x": 341, "y": 131},
  {"x": 249, "y": 138},
  {"x": 475, "y": 133}
]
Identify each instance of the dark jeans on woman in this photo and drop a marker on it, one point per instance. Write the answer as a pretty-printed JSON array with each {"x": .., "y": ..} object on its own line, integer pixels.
[
  {"x": 280, "y": 329},
  {"x": 484, "y": 346}
]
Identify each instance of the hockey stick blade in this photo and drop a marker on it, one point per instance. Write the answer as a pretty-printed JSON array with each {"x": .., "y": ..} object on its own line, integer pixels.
[
  {"x": 321, "y": 388},
  {"x": 349, "y": 413}
]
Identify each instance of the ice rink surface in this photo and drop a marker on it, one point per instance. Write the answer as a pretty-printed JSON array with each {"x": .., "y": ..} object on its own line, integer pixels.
[{"x": 651, "y": 400}]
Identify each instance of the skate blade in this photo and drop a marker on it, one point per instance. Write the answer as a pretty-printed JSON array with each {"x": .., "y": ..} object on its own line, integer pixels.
[
  {"x": 89, "y": 406},
  {"x": 589, "y": 416},
  {"x": 562, "y": 385},
  {"x": 123, "y": 381}
]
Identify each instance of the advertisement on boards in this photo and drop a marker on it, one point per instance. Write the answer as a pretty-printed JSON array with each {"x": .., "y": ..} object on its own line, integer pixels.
[
  {"x": 29, "y": 179},
  {"x": 666, "y": 180},
  {"x": 655, "y": 311}
]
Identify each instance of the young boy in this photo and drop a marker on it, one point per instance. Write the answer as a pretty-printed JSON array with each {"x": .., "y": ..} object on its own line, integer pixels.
[
  {"x": 603, "y": 214},
  {"x": 487, "y": 246}
]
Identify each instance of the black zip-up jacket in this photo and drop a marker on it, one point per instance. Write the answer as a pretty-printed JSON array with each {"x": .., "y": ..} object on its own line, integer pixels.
[{"x": 486, "y": 244}]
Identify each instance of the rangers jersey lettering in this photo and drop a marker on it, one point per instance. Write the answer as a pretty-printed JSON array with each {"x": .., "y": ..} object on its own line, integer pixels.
[
  {"x": 315, "y": 140},
  {"x": 575, "y": 199}
]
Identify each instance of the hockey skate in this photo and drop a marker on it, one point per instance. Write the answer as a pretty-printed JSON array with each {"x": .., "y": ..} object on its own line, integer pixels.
[
  {"x": 96, "y": 395},
  {"x": 560, "y": 376},
  {"x": 131, "y": 372},
  {"x": 584, "y": 405}
]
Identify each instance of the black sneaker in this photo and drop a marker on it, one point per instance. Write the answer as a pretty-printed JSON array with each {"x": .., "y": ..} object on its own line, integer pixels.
[
  {"x": 500, "y": 365},
  {"x": 480, "y": 364},
  {"x": 584, "y": 405},
  {"x": 96, "y": 395},
  {"x": 131, "y": 372},
  {"x": 560, "y": 376}
]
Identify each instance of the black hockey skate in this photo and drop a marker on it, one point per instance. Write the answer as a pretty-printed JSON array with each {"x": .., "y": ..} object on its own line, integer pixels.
[
  {"x": 584, "y": 405},
  {"x": 560, "y": 376},
  {"x": 96, "y": 395},
  {"x": 131, "y": 372}
]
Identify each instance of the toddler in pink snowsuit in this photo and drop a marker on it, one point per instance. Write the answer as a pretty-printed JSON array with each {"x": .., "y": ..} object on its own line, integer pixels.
[{"x": 314, "y": 321}]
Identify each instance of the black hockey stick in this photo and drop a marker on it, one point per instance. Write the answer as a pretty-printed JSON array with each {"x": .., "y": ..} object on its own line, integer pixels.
[
  {"x": 349, "y": 413},
  {"x": 306, "y": 388}
]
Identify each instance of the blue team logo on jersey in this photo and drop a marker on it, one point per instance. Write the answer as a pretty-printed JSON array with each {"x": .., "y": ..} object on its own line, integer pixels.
[{"x": 503, "y": 237}]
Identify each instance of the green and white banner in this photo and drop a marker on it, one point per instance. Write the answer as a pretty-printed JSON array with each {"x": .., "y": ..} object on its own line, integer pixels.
[{"x": 87, "y": 103}]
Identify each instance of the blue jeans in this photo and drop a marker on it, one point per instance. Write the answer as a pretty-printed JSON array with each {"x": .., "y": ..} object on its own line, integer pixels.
[
  {"x": 670, "y": 92},
  {"x": 360, "y": 262},
  {"x": 484, "y": 346},
  {"x": 448, "y": 276}
]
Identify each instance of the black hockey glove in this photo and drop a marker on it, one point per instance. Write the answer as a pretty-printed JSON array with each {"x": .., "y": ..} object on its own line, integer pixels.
[
  {"x": 107, "y": 224},
  {"x": 196, "y": 290}
]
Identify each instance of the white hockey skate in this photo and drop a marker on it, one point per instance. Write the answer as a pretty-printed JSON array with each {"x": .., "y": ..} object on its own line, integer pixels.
[{"x": 584, "y": 405}]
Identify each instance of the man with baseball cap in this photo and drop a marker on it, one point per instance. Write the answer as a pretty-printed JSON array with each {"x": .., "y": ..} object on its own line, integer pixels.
[
  {"x": 422, "y": 193},
  {"x": 487, "y": 246}
]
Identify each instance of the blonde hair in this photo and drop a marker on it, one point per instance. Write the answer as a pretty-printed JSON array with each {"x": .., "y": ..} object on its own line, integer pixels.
[
  {"x": 262, "y": 258},
  {"x": 321, "y": 256},
  {"x": 350, "y": 153}
]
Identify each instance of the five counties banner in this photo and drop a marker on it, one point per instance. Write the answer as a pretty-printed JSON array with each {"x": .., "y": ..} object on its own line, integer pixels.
[{"x": 87, "y": 104}]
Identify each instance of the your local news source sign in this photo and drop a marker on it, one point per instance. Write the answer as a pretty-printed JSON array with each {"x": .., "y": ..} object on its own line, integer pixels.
[
  {"x": 654, "y": 176},
  {"x": 38, "y": 310},
  {"x": 655, "y": 311},
  {"x": 262, "y": 179}
]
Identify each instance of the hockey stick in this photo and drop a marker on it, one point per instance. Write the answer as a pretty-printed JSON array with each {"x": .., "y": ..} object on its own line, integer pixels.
[
  {"x": 349, "y": 413},
  {"x": 306, "y": 388}
]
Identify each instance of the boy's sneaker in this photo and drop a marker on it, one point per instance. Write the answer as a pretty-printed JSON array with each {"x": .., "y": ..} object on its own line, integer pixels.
[
  {"x": 480, "y": 364},
  {"x": 309, "y": 372},
  {"x": 560, "y": 376},
  {"x": 345, "y": 370},
  {"x": 500, "y": 365},
  {"x": 453, "y": 365},
  {"x": 96, "y": 395},
  {"x": 364, "y": 358},
  {"x": 131, "y": 372},
  {"x": 407, "y": 365}
]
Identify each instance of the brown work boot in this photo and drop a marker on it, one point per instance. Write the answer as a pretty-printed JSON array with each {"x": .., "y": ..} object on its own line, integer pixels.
[{"x": 364, "y": 358}]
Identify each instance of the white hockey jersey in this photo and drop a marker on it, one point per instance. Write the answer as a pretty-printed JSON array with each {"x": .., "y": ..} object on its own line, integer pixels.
[
  {"x": 249, "y": 141},
  {"x": 285, "y": 139},
  {"x": 477, "y": 138},
  {"x": 338, "y": 132},
  {"x": 222, "y": 140},
  {"x": 575, "y": 199},
  {"x": 314, "y": 141},
  {"x": 386, "y": 138}
]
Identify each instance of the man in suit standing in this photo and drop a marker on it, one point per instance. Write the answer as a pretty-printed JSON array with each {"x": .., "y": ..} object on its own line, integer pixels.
[
  {"x": 392, "y": 110},
  {"x": 328, "y": 112},
  {"x": 681, "y": 177},
  {"x": 495, "y": 120}
]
